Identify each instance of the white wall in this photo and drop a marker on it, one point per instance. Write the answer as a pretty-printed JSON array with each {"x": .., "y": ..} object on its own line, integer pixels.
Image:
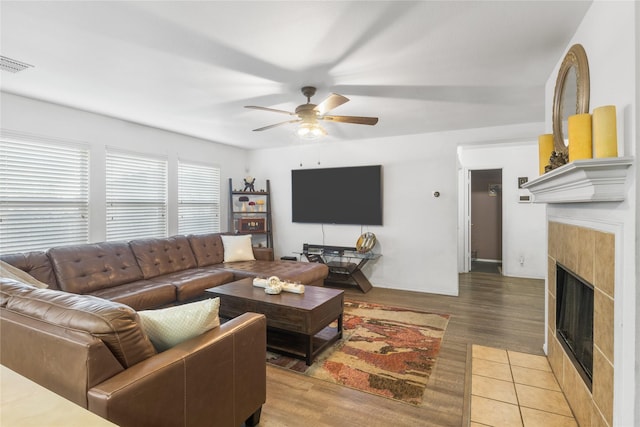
[
  {"x": 637, "y": 249},
  {"x": 523, "y": 224},
  {"x": 54, "y": 121},
  {"x": 418, "y": 238},
  {"x": 609, "y": 33}
]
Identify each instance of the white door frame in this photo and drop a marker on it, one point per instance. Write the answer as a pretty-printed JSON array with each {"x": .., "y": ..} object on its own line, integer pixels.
[
  {"x": 467, "y": 220},
  {"x": 464, "y": 216}
]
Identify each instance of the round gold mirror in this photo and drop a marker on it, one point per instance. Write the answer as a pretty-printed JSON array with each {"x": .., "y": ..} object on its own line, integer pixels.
[{"x": 571, "y": 95}]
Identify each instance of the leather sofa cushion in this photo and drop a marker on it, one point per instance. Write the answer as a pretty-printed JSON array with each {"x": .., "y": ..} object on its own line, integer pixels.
[
  {"x": 163, "y": 256},
  {"x": 140, "y": 295},
  {"x": 115, "y": 324},
  {"x": 36, "y": 264},
  {"x": 82, "y": 269},
  {"x": 9, "y": 287},
  {"x": 191, "y": 284},
  {"x": 207, "y": 248},
  {"x": 304, "y": 272}
]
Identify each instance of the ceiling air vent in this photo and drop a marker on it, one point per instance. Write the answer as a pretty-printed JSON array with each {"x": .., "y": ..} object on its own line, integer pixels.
[{"x": 11, "y": 65}]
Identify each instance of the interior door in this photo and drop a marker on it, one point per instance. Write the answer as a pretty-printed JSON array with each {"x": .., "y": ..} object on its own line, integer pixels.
[{"x": 485, "y": 216}]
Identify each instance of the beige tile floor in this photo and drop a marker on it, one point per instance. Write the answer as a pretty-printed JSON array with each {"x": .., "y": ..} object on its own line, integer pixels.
[{"x": 509, "y": 388}]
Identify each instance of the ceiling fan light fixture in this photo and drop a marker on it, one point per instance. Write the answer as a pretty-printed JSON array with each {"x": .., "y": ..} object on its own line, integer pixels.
[
  {"x": 309, "y": 114},
  {"x": 310, "y": 131}
]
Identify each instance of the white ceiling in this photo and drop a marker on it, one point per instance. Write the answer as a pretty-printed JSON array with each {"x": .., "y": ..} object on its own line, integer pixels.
[{"x": 190, "y": 67}]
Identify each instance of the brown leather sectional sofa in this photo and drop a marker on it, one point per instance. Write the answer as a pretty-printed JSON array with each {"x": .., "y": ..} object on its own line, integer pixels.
[
  {"x": 82, "y": 338},
  {"x": 94, "y": 352},
  {"x": 152, "y": 273}
]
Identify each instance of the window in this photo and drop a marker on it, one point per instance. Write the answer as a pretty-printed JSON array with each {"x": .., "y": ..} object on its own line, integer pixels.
[
  {"x": 198, "y": 198},
  {"x": 44, "y": 193},
  {"x": 136, "y": 195}
]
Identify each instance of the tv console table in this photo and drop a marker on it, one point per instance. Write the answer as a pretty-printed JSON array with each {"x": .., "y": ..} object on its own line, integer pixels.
[{"x": 345, "y": 264}]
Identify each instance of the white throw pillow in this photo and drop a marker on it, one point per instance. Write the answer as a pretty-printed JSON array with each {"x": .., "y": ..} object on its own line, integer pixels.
[
  {"x": 237, "y": 248},
  {"x": 8, "y": 271},
  {"x": 167, "y": 327}
]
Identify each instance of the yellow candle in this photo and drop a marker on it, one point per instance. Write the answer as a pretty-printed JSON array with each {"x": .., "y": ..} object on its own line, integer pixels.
[
  {"x": 605, "y": 135},
  {"x": 580, "y": 137},
  {"x": 545, "y": 147}
]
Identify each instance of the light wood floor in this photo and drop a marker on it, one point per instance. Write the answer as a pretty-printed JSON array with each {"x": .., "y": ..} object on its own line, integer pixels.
[{"x": 491, "y": 310}]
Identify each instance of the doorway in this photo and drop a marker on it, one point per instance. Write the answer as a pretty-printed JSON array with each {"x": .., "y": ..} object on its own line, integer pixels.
[{"x": 485, "y": 230}]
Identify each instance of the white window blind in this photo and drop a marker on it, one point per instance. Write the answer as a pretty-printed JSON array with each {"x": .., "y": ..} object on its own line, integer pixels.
[
  {"x": 136, "y": 196},
  {"x": 198, "y": 198},
  {"x": 44, "y": 194}
]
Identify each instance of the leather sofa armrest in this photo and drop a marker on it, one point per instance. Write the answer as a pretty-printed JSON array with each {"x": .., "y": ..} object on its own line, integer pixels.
[
  {"x": 215, "y": 379},
  {"x": 263, "y": 254},
  {"x": 45, "y": 353}
]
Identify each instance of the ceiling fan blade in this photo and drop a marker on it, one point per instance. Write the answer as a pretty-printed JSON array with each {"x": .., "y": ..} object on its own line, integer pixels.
[
  {"x": 273, "y": 110},
  {"x": 276, "y": 125},
  {"x": 352, "y": 119},
  {"x": 332, "y": 101}
]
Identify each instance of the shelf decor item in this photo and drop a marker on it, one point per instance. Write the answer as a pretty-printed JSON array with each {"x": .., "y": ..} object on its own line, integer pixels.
[
  {"x": 605, "y": 133},
  {"x": 251, "y": 224},
  {"x": 249, "y": 184},
  {"x": 243, "y": 200},
  {"x": 250, "y": 212}
]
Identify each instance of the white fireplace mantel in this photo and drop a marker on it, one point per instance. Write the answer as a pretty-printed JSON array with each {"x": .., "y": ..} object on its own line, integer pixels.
[{"x": 591, "y": 180}]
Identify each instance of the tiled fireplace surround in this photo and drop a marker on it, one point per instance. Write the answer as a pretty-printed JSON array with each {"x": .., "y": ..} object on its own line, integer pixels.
[{"x": 591, "y": 255}]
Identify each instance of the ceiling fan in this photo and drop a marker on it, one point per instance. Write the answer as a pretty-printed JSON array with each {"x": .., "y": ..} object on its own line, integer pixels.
[{"x": 309, "y": 114}]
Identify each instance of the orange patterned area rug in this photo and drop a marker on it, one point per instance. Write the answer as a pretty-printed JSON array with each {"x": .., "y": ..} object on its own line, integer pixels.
[{"x": 387, "y": 351}]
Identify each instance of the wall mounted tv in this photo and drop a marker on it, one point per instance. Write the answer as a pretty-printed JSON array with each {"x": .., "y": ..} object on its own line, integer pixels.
[{"x": 345, "y": 195}]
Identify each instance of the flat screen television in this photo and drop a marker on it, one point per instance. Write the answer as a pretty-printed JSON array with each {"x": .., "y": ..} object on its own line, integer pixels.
[{"x": 345, "y": 195}]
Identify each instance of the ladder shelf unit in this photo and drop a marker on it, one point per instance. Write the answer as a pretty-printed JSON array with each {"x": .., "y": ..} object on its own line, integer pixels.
[{"x": 250, "y": 213}]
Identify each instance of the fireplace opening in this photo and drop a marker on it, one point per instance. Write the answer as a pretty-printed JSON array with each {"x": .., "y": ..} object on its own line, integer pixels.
[{"x": 574, "y": 320}]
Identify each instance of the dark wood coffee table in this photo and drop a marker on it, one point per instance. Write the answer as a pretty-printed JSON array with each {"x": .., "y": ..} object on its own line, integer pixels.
[{"x": 297, "y": 324}]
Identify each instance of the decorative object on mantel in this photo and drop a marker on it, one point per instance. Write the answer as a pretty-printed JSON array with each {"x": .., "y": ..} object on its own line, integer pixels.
[
  {"x": 580, "y": 137},
  {"x": 571, "y": 95},
  {"x": 590, "y": 180},
  {"x": 545, "y": 148},
  {"x": 556, "y": 160},
  {"x": 605, "y": 132}
]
